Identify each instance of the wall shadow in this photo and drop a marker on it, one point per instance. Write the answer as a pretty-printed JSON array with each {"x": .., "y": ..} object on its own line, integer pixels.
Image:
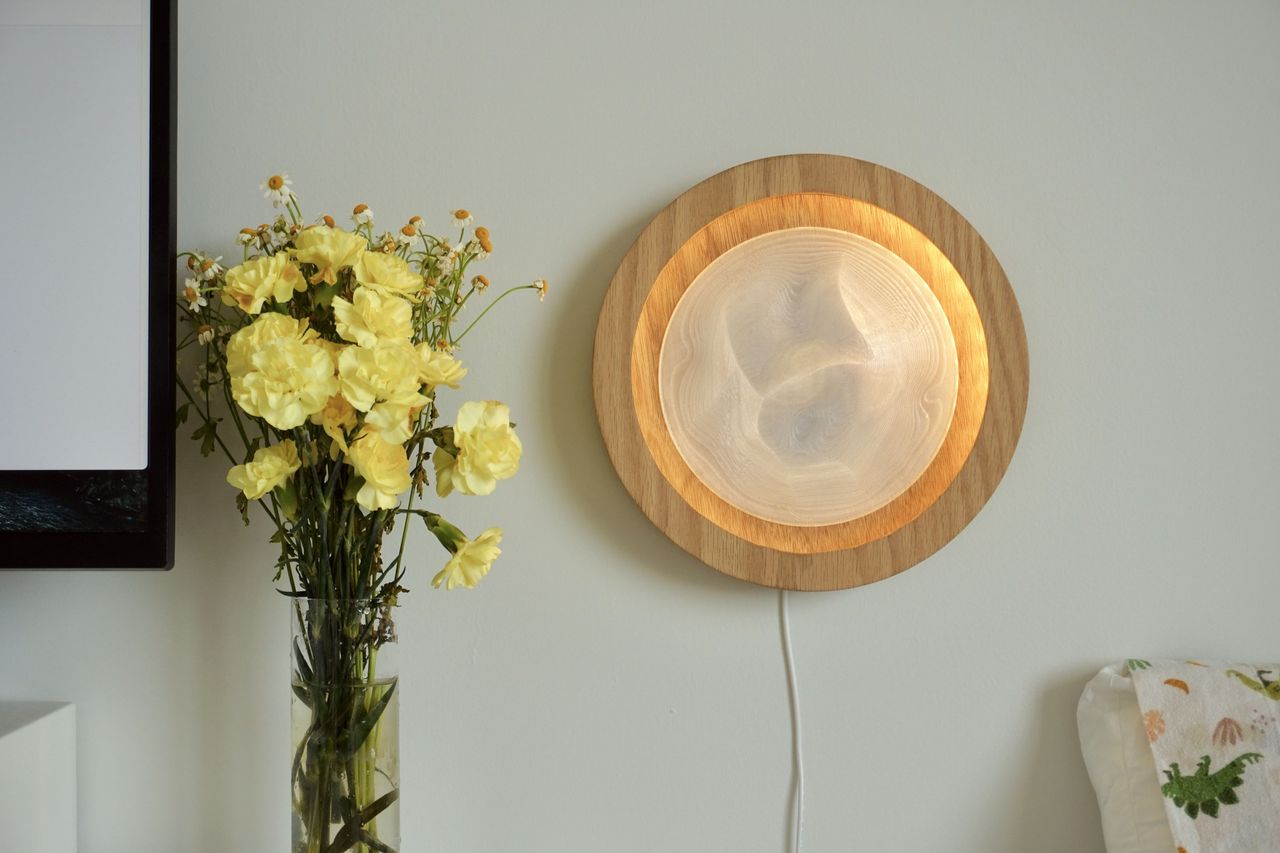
[
  {"x": 576, "y": 444},
  {"x": 1049, "y": 792}
]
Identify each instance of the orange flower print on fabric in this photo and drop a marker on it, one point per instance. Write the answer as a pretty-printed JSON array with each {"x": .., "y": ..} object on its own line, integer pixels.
[
  {"x": 1178, "y": 683},
  {"x": 1227, "y": 733},
  {"x": 1153, "y": 721}
]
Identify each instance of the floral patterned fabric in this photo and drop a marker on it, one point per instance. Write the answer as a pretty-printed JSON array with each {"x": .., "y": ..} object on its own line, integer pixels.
[{"x": 1214, "y": 730}]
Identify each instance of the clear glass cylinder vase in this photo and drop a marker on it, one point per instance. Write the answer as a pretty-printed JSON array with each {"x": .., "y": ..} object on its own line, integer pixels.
[{"x": 345, "y": 775}]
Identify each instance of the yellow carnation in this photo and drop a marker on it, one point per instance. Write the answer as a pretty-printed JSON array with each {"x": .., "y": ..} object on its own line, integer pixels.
[
  {"x": 436, "y": 367},
  {"x": 287, "y": 382},
  {"x": 384, "y": 467},
  {"x": 387, "y": 372},
  {"x": 270, "y": 467},
  {"x": 251, "y": 283},
  {"x": 330, "y": 249},
  {"x": 389, "y": 275},
  {"x": 488, "y": 450},
  {"x": 337, "y": 418},
  {"x": 371, "y": 317},
  {"x": 471, "y": 561},
  {"x": 254, "y": 336},
  {"x": 392, "y": 421}
]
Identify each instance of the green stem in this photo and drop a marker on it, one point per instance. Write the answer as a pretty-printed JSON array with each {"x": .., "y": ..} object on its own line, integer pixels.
[{"x": 489, "y": 307}]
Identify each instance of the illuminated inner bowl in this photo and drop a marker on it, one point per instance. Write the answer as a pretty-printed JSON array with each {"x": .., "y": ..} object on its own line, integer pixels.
[{"x": 808, "y": 376}]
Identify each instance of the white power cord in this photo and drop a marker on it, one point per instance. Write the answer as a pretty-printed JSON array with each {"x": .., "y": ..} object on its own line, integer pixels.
[{"x": 797, "y": 756}]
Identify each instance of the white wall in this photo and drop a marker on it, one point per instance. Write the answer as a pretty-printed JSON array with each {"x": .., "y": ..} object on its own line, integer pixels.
[{"x": 602, "y": 690}]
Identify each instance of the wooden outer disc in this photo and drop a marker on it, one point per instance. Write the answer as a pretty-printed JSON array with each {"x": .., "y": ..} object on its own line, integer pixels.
[{"x": 861, "y": 198}]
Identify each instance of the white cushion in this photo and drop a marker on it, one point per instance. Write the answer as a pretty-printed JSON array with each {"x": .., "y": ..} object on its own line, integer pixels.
[{"x": 1121, "y": 767}]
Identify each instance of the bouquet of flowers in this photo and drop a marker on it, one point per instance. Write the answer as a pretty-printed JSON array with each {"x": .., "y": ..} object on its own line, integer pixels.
[{"x": 323, "y": 352}]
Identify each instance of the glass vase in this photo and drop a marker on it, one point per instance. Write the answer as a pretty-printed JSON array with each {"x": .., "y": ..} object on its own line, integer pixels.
[{"x": 346, "y": 727}]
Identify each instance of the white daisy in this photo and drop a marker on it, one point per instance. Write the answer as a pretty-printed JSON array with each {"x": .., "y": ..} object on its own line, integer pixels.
[
  {"x": 204, "y": 334},
  {"x": 407, "y": 234},
  {"x": 247, "y": 236},
  {"x": 210, "y": 268},
  {"x": 277, "y": 189},
  {"x": 191, "y": 292},
  {"x": 362, "y": 215},
  {"x": 461, "y": 217}
]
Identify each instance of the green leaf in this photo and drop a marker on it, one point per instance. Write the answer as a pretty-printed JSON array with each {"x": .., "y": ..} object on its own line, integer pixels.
[
  {"x": 323, "y": 295},
  {"x": 304, "y": 668},
  {"x": 180, "y": 417},
  {"x": 352, "y": 831},
  {"x": 207, "y": 435},
  {"x": 242, "y": 504},
  {"x": 359, "y": 732}
]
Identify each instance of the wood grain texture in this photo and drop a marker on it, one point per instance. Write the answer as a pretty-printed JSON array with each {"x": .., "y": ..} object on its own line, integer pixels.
[{"x": 877, "y": 203}]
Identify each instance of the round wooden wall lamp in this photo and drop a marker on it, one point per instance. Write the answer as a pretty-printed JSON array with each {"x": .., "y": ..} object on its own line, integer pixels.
[{"x": 810, "y": 372}]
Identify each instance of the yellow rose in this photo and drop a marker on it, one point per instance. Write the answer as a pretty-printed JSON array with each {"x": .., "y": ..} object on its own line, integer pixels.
[
  {"x": 488, "y": 450},
  {"x": 370, "y": 317},
  {"x": 330, "y": 249},
  {"x": 270, "y": 467},
  {"x": 384, "y": 467},
  {"x": 471, "y": 561},
  {"x": 249, "y": 284},
  {"x": 436, "y": 367},
  {"x": 287, "y": 382},
  {"x": 387, "y": 372},
  {"x": 337, "y": 418},
  {"x": 252, "y": 337},
  {"x": 389, "y": 275}
]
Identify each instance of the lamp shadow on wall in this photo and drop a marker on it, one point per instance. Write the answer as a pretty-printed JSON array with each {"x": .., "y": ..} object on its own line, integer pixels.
[{"x": 576, "y": 445}]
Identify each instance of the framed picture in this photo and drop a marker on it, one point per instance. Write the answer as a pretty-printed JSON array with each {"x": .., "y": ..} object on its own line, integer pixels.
[{"x": 87, "y": 231}]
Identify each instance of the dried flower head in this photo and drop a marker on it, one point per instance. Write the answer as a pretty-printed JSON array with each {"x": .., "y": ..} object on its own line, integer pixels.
[
  {"x": 480, "y": 283},
  {"x": 541, "y": 286},
  {"x": 328, "y": 220},
  {"x": 482, "y": 235},
  {"x": 361, "y": 214}
]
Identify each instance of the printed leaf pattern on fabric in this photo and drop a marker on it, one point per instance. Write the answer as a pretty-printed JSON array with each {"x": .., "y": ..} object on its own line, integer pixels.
[
  {"x": 1269, "y": 687},
  {"x": 1216, "y": 728},
  {"x": 1227, "y": 733},
  {"x": 1203, "y": 791},
  {"x": 1153, "y": 722}
]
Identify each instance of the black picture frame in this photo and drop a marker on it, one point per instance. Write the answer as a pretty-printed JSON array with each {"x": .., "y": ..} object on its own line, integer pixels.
[{"x": 134, "y": 509}]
